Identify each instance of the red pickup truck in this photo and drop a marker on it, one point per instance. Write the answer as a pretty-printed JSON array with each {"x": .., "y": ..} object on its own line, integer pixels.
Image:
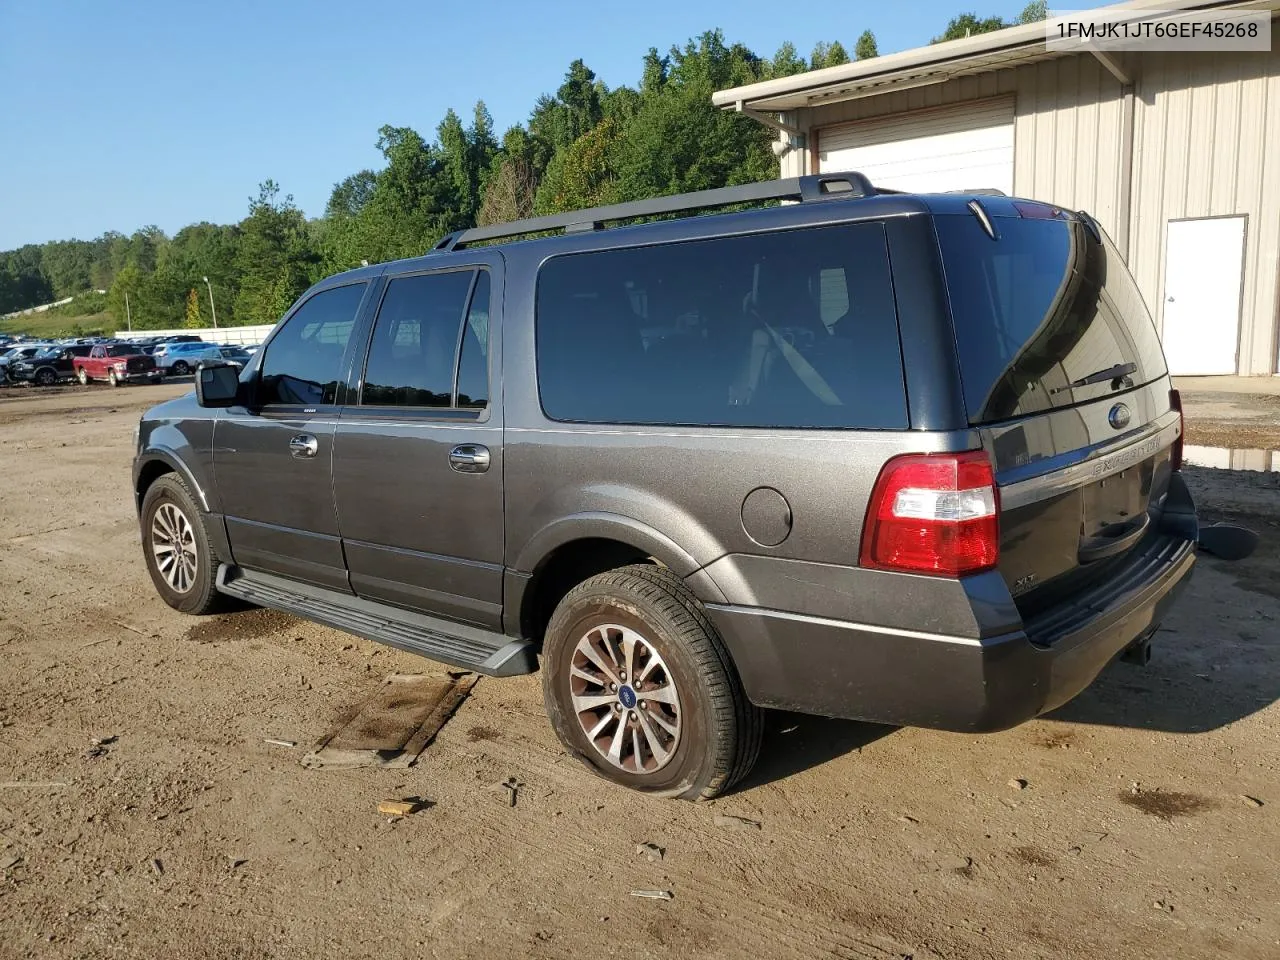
[{"x": 116, "y": 363}]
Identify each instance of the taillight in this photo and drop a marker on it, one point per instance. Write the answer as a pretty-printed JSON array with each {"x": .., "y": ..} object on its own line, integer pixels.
[
  {"x": 934, "y": 513},
  {"x": 1175, "y": 454}
]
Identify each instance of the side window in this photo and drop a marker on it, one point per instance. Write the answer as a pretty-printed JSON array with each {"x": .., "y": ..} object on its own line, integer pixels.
[
  {"x": 792, "y": 329},
  {"x": 473, "y": 363},
  {"x": 303, "y": 362},
  {"x": 415, "y": 341}
]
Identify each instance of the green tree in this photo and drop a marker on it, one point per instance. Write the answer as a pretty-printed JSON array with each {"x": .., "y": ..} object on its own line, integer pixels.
[
  {"x": 161, "y": 299},
  {"x": 654, "y": 75},
  {"x": 679, "y": 141},
  {"x": 67, "y": 264},
  {"x": 967, "y": 25},
  {"x": 1034, "y": 12},
  {"x": 126, "y": 283},
  {"x": 828, "y": 55},
  {"x": 584, "y": 174},
  {"x": 866, "y": 47},
  {"x": 786, "y": 62},
  {"x": 572, "y": 112},
  {"x": 193, "y": 319},
  {"x": 274, "y": 258},
  {"x": 351, "y": 195}
]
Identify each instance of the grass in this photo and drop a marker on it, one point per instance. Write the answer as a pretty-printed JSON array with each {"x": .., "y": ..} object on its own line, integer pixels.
[{"x": 43, "y": 325}]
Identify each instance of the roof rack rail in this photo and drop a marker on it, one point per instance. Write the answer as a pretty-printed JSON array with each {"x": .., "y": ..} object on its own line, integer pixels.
[
  {"x": 805, "y": 189},
  {"x": 979, "y": 192}
]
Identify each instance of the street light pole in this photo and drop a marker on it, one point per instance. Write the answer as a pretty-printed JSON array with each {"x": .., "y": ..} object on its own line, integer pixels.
[
  {"x": 212, "y": 309},
  {"x": 127, "y": 312}
]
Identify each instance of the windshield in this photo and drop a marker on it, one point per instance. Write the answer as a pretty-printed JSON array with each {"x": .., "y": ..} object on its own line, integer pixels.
[
  {"x": 121, "y": 351},
  {"x": 1045, "y": 317}
]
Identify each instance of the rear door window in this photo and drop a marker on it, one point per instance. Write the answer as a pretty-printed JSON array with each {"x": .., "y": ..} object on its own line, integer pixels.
[
  {"x": 794, "y": 329},
  {"x": 430, "y": 339},
  {"x": 1040, "y": 310}
]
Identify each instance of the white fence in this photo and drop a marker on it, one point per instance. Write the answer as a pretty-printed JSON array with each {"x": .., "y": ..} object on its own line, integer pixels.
[
  {"x": 42, "y": 308},
  {"x": 233, "y": 335}
]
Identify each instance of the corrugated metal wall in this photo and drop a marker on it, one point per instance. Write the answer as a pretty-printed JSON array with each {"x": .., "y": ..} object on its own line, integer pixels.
[{"x": 1202, "y": 125}]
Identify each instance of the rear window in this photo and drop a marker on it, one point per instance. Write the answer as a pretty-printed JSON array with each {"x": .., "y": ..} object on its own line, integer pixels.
[
  {"x": 1042, "y": 308},
  {"x": 793, "y": 330}
]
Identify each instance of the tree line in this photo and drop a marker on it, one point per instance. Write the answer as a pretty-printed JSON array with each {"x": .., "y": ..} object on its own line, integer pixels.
[{"x": 584, "y": 145}]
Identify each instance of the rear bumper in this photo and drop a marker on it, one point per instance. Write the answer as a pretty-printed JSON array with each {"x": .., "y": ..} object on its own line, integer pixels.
[{"x": 840, "y": 669}]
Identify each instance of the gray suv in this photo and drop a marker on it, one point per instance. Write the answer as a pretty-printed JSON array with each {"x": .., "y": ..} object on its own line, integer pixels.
[{"x": 908, "y": 459}]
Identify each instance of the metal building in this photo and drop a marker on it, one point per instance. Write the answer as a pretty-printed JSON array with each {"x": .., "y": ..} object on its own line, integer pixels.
[{"x": 1176, "y": 154}]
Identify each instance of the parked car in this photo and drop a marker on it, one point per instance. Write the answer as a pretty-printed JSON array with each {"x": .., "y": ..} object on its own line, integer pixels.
[
  {"x": 181, "y": 357},
  {"x": 15, "y": 354},
  {"x": 235, "y": 355},
  {"x": 50, "y": 365},
  {"x": 117, "y": 364},
  {"x": 900, "y": 458}
]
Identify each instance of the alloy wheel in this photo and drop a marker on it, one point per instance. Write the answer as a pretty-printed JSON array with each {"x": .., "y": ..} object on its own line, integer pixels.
[
  {"x": 173, "y": 543},
  {"x": 625, "y": 699}
]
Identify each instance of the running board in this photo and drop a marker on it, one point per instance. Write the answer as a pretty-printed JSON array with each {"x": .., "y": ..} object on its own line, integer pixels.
[{"x": 456, "y": 644}]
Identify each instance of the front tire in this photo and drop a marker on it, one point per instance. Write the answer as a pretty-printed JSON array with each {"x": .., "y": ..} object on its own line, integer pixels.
[
  {"x": 640, "y": 687},
  {"x": 180, "y": 368},
  {"x": 176, "y": 546},
  {"x": 46, "y": 378},
  {"x": 112, "y": 378},
  {"x": 82, "y": 377}
]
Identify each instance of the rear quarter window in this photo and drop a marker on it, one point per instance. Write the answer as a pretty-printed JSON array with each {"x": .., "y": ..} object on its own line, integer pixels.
[{"x": 794, "y": 329}]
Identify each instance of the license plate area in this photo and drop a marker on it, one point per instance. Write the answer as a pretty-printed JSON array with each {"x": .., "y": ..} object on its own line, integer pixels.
[{"x": 1114, "y": 501}]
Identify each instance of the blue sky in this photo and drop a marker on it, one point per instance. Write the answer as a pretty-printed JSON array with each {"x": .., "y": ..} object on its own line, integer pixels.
[{"x": 118, "y": 115}]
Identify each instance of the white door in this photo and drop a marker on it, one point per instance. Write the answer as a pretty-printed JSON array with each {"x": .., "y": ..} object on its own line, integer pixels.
[
  {"x": 1203, "y": 266},
  {"x": 967, "y": 147}
]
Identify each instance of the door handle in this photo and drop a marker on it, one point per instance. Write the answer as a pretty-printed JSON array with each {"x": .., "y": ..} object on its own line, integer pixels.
[
  {"x": 469, "y": 458},
  {"x": 304, "y": 446}
]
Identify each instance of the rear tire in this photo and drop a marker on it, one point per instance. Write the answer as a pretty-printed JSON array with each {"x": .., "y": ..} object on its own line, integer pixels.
[
  {"x": 682, "y": 725},
  {"x": 177, "y": 549},
  {"x": 82, "y": 377}
]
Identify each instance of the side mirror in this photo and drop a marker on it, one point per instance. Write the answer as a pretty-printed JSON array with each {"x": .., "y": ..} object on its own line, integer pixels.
[{"x": 217, "y": 385}]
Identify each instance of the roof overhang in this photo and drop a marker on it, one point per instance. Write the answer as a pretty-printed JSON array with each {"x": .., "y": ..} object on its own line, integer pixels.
[{"x": 937, "y": 63}]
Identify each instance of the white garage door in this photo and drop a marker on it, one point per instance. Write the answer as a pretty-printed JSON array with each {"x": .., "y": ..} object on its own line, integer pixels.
[{"x": 958, "y": 148}]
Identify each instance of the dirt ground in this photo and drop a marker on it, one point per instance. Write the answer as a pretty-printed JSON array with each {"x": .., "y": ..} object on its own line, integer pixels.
[{"x": 1141, "y": 820}]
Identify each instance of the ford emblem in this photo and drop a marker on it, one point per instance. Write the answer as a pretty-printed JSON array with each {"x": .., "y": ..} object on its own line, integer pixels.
[{"x": 1118, "y": 416}]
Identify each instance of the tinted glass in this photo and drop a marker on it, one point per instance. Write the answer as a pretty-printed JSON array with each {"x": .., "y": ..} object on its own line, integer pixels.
[
  {"x": 415, "y": 341},
  {"x": 303, "y": 364},
  {"x": 794, "y": 329},
  {"x": 123, "y": 351},
  {"x": 1038, "y": 310},
  {"x": 473, "y": 365}
]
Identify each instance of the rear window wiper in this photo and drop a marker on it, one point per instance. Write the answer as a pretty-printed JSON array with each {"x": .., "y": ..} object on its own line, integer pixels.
[{"x": 1117, "y": 375}]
